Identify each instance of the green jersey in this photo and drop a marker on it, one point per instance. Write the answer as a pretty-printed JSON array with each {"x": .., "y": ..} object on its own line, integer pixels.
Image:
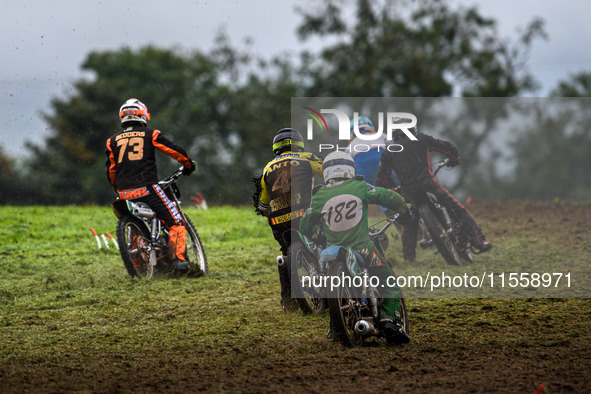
[{"x": 341, "y": 207}]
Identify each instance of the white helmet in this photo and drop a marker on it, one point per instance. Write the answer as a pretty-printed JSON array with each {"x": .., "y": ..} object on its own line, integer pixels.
[
  {"x": 338, "y": 165},
  {"x": 133, "y": 110}
]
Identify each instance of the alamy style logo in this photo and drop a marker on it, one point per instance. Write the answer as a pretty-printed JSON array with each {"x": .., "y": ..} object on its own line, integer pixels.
[{"x": 402, "y": 121}]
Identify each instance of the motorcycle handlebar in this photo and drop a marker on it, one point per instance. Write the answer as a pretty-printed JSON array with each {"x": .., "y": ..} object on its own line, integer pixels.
[
  {"x": 373, "y": 232},
  {"x": 440, "y": 166},
  {"x": 173, "y": 177}
]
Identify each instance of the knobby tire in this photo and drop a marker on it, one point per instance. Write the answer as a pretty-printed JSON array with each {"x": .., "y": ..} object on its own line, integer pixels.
[
  {"x": 439, "y": 236},
  {"x": 194, "y": 251},
  {"x": 303, "y": 263},
  {"x": 131, "y": 236},
  {"x": 343, "y": 309}
]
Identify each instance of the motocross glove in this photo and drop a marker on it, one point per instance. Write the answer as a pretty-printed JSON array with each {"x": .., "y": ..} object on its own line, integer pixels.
[
  {"x": 454, "y": 163},
  {"x": 190, "y": 170}
]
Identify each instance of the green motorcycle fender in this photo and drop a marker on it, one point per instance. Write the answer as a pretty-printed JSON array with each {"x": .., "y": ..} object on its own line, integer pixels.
[
  {"x": 341, "y": 253},
  {"x": 304, "y": 239}
]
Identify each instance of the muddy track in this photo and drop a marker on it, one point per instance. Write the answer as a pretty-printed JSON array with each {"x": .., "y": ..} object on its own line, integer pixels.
[{"x": 458, "y": 345}]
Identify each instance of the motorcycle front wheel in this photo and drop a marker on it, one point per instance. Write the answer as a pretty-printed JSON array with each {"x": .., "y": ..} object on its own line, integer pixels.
[
  {"x": 439, "y": 236},
  {"x": 194, "y": 249}
]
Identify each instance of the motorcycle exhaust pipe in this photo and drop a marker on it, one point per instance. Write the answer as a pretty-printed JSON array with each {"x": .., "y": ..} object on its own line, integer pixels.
[
  {"x": 364, "y": 328},
  {"x": 281, "y": 261},
  {"x": 144, "y": 213}
]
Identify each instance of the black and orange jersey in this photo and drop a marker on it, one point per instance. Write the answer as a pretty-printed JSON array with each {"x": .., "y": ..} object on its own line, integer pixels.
[
  {"x": 131, "y": 161},
  {"x": 286, "y": 185}
]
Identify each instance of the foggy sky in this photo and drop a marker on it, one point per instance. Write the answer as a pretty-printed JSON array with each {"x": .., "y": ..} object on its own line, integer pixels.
[{"x": 44, "y": 42}]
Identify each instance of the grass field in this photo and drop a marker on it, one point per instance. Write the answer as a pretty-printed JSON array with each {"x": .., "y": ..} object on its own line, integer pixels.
[{"x": 72, "y": 320}]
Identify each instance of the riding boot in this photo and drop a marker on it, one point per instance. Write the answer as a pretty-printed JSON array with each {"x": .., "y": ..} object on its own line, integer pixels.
[
  {"x": 287, "y": 303},
  {"x": 409, "y": 241}
]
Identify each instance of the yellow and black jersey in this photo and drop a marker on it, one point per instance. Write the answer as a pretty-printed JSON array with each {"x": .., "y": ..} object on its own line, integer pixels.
[
  {"x": 286, "y": 185},
  {"x": 131, "y": 162}
]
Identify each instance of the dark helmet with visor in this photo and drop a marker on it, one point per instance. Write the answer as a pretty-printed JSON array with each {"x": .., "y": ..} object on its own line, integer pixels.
[{"x": 287, "y": 140}]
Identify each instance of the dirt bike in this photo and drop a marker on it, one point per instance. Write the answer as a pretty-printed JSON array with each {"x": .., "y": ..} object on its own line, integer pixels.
[
  {"x": 143, "y": 238},
  {"x": 354, "y": 311},
  {"x": 303, "y": 255},
  {"x": 437, "y": 227}
]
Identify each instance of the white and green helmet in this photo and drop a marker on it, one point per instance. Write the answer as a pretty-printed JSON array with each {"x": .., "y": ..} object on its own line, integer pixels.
[{"x": 338, "y": 165}]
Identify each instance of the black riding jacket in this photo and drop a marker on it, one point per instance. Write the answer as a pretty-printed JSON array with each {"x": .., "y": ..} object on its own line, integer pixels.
[
  {"x": 413, "y": 164},
  {"x": 131, "y": 161}
]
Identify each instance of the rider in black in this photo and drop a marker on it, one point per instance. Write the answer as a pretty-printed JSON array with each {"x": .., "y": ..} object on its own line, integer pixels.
[
  {"x": 283, "y": 194},
  {"x": 412, "y": 165}
]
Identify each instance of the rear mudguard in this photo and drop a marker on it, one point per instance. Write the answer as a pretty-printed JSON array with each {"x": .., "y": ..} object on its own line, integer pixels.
[
  {"x": 352, "y": 259},
  {"x": 122, "y": 208}
]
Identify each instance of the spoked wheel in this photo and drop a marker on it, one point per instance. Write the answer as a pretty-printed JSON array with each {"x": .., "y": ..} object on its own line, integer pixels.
[
  {"x": 344, "y": 309},
  {"x": 133, "y": 239},
  {"x": 439, "y": 236},
  {"x": 194, "y": 249},
  {"x": 303, "y": 264}
]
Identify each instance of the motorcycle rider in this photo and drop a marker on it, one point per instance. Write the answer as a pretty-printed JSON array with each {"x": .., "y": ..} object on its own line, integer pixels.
[
  {"x": 283, "y": 194},
  {"x": 131, "y": 169},
  {"x": 367, "y": 157},
  {"x": 341, "y": 209},
  {"x": 412, "y": 165}
]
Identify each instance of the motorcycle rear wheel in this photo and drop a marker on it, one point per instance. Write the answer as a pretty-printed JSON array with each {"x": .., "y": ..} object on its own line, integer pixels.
[
  {"x": 133, "y": 239},
  {"x": 344, "y": 309},
  {"x": 302, "y": 263}
]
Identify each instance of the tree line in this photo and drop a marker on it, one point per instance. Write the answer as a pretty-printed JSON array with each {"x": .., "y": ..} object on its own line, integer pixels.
[{"x": 225, "y": 105}]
